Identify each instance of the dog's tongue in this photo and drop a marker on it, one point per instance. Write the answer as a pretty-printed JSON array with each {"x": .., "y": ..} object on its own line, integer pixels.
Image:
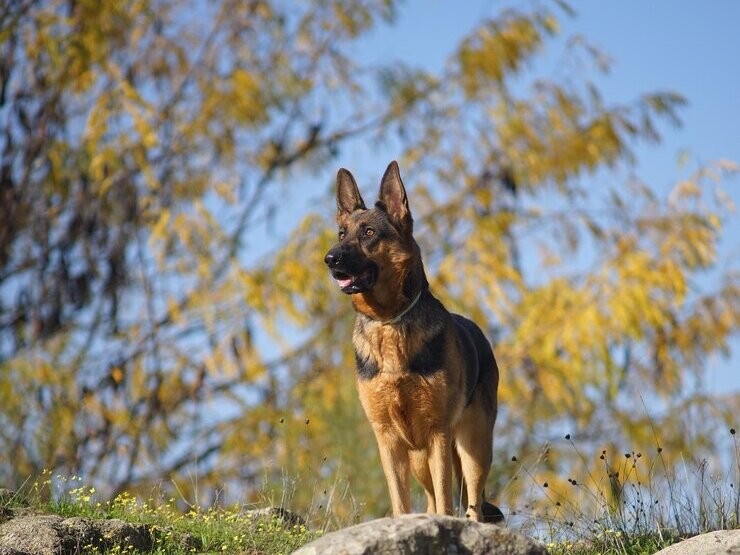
[{"x": 344, "y": 282}]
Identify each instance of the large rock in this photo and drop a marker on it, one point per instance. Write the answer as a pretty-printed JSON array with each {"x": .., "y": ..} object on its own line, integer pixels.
[
  {"x": 712, "y": 543},
  {"x": 39, "y": 535},
  {"x": 54, "y": 535},
  {"x": 81, "y": 533},
  {"x": 423, "y": 534}
]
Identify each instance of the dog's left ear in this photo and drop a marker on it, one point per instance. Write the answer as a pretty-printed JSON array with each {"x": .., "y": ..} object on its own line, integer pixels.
[{"x": 393, "y": 197}]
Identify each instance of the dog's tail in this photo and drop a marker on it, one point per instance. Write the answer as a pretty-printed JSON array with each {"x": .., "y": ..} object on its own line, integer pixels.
[{"x": 491, "y": 513}]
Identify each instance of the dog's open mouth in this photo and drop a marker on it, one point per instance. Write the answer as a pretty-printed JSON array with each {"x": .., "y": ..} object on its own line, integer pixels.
[{"x": 356, "y": 284}]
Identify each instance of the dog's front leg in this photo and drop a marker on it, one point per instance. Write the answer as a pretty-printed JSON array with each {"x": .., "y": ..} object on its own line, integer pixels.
[
  {"x": 440, "y": 465},
  {"x": 394, "y": 456}
]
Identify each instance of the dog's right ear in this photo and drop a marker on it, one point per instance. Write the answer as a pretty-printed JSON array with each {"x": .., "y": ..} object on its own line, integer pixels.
[{"x": 348, "y": 195}]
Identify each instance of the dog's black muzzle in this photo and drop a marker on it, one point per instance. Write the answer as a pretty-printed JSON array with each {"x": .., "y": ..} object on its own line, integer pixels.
[{"x": 353, "y": 272}]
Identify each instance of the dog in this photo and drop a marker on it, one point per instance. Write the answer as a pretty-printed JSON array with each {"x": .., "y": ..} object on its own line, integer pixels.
[{"x": 427, "y": 379}]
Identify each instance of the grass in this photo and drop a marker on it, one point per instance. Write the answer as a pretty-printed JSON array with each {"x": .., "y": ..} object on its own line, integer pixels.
[{"x": 628, "y": 504}]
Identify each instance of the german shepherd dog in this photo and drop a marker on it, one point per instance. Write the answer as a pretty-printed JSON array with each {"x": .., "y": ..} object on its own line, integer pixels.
[{"x": 427, "y": 379}]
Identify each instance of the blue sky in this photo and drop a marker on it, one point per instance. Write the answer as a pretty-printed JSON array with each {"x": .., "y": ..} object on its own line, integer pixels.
[{"x": 687, "y": 47}]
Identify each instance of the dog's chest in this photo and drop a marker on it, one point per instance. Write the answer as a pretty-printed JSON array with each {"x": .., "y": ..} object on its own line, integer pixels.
[
  {"x": 401, "y": 381},
  {"x": 405, "y": 406},
  {"x": 385, "y": 350}
]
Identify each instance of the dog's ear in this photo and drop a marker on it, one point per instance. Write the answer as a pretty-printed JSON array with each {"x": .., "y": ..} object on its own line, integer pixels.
[
  {"x": 393, "y": 198},
  {"x": 348, "y": 195}
]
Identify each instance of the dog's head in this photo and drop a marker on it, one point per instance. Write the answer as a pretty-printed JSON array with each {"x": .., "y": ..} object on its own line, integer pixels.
[{"x": 376, "y": 251}]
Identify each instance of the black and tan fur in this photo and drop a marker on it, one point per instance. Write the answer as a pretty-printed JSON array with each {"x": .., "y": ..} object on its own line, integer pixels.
[{"x": 427, "y": 379}]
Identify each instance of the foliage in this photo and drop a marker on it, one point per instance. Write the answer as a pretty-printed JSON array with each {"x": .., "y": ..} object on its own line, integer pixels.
[
  {"x": 160, "y": 319},
  {"x": 140, "y": 152}
]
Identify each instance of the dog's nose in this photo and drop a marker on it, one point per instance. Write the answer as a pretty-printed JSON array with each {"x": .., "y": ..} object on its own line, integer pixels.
[{"x": 332, "y": 259}]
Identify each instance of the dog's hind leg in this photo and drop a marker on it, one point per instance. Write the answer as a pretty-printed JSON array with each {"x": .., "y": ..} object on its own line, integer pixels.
[
  {"x": 420, "y": 470},
  {"x": 474, "y": 441}
]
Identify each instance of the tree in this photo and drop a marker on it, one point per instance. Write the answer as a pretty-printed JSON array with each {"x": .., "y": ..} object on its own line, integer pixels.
[
  {"x": 142, "y": 142},
  {"x": 147, "y": 335}
]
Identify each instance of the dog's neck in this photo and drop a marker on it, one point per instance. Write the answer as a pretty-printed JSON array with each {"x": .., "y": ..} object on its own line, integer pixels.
[{"x": 394, "y": 297}]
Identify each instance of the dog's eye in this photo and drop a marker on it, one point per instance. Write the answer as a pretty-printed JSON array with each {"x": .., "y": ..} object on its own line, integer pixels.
[
  {"x": 369, "y": 232},
  {"x": 341, "y": 234}
]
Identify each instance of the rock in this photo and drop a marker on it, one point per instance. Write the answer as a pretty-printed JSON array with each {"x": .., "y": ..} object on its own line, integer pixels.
[
  {"x": 288, "y": 518},
  {"x": 5, "y": 514},
  {"x": 53, "y": 535},
  {"x": 39, "y": 535},
  {"x": 422, "y": 534},
  {"x": 712, "y": 543},
  {"x": 82, "y": 534},
  {"x": 118, "y": 532},
  {"x": 6, "y": 495}
]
